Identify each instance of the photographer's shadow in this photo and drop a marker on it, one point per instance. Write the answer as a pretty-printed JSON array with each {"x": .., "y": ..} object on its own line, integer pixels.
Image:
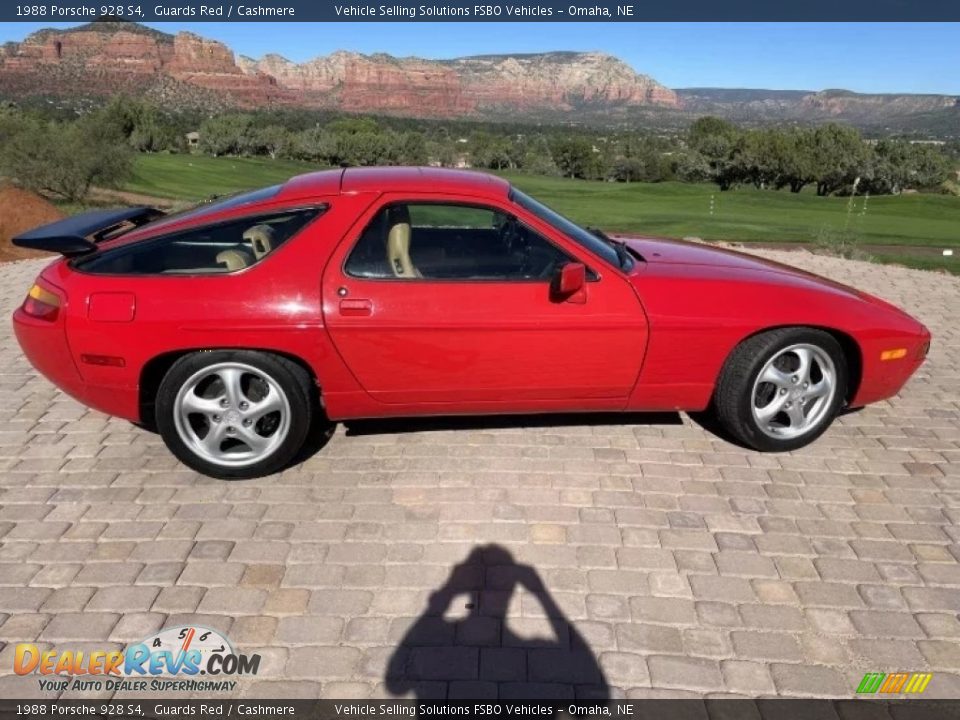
[{"x": 463, "y": 646}]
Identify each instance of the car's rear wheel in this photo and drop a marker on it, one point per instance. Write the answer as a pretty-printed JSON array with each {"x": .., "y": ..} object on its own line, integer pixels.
[
  {"x": 234, "y": 414},
  {"x": 781, "y": 389}
]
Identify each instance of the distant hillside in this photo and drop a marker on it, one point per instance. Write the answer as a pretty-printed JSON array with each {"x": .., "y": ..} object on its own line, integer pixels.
[
  {"x": 935, "y": 114},
  {"x": 189, "y": 71}
]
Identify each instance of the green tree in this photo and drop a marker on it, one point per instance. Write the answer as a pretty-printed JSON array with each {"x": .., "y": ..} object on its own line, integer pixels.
[
  {"x": 367, "y": 148},
  {"x": 317, "y": 145},
  {"x": 574, "y": 155},
  {"x": 66, "y": 159},
  {"x": 716, "y": 140},
  {"x": 353, "y": 126},
  {"x": 951, "y": 151},
  {"x": 900, "y": 164},
  {"x": 412, "y": 148},
  {"x": 488, "y": 150},
  {"x": 795, "y": 160},
  {"x": 12, "y": 122},
  {"x": 692, "y": 167},
  {"x": 536, "y": 157},
  {"x": 229, "y": 134},
  {"x": 838, "y": 157},
  {"x": 756, "y": 157},
  {"x": 639, "y": 160},
  {"x": 441, "y": 151},
  {"x": 142, "y": 124},
  {"x": 929, "y": 166},
  {"x": 273, "y": 140}
]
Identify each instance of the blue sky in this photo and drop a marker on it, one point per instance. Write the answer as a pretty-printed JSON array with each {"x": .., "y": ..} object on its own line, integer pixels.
[{"x": 865, "y": 57}]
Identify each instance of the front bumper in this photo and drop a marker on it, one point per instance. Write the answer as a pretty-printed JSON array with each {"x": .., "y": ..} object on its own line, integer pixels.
[{"x": 884, "y": 378}]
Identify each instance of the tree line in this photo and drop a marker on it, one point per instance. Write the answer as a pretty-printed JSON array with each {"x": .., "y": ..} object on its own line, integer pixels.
[
  {"x": 67, "y": 156},
  {"x": 833, "y": 158}
]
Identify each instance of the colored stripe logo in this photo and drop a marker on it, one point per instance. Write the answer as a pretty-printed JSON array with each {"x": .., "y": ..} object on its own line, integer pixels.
[{"x": 894, "y": 683}]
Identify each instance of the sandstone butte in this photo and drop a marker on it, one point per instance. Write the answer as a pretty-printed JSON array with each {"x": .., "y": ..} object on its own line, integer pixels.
[{"x": 103, "y": 58}]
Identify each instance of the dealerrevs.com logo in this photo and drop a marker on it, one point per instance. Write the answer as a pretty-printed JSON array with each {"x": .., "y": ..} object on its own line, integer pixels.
[
  {"x": 184, "y": 659},
  {"x": 894, "y": 683}
]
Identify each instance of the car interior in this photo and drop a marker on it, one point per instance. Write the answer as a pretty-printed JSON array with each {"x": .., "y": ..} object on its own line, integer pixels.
[
  {"x": 213, "y": 249},
  {"x": 260, "y": 240},
  {"x": 451, "y": 242}
]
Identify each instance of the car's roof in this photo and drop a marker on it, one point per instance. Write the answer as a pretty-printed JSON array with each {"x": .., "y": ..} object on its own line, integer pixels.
[
  {"x": 324, "y": 183},
  {"x": 394, "y": 179}
]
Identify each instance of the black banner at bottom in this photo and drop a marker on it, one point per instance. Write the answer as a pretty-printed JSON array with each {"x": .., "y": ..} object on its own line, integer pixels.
[{"x": 707, "y": 709}]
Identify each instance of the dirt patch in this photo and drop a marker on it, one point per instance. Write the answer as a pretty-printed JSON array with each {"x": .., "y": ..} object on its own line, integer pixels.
[{"x": 22, "y": 210}]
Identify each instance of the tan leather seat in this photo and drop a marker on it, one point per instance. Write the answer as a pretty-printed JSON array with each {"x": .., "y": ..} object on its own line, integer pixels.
[
  {"x": 398, "y": 243},
  {"x": 234, "y": 259},
  {"x": 260, "y": 238}
]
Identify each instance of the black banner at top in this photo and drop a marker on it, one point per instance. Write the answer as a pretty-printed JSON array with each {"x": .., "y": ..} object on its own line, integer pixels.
[{"x": 491, "y": 11}]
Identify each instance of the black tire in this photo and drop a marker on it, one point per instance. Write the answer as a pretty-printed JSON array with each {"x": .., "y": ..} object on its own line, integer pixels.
[
  {"x": 733, "y": 398},
  {"x": 292, "y": 381}
]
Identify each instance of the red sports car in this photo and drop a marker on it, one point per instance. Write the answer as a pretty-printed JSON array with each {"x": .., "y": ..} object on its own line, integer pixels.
[{"x": 379, "y": 292}]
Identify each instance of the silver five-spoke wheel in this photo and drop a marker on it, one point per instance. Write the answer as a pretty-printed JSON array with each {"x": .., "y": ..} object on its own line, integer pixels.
[
  {"x": 794, "y": 391},
  {"x": 232, "y": 414}
]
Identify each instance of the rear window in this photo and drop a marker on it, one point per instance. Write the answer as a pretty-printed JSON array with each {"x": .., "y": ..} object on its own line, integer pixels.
[
  {"x": 212, "y": 249},
  {"x": 215, "y": 205}
]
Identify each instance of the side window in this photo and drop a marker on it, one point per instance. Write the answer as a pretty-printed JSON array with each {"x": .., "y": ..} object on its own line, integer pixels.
[
  {"x": 212, "y": 249},
  {"x": 437, "y": 241}
]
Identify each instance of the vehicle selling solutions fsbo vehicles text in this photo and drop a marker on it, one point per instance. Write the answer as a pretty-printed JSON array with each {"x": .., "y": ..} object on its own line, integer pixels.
[{"x": 428, "y": 11}]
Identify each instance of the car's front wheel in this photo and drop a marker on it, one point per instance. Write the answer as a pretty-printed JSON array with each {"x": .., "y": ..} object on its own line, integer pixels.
[
  {"x": 234, "y": 414},
  {"x": 781, "y": 389}
]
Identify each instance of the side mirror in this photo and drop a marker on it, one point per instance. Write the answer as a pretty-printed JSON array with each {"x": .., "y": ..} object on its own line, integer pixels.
[{"x": 569, "y": 279}]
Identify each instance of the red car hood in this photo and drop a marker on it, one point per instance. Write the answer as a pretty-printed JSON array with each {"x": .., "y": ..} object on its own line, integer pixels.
[{"x": 678, "y": 252}]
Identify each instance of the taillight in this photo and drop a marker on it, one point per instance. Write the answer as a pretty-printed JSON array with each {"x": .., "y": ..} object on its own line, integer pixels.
[{"x": 41, "y": 303}]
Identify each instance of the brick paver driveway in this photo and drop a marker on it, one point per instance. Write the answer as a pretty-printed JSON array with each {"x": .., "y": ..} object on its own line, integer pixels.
[{"x": 642, "y": 558}]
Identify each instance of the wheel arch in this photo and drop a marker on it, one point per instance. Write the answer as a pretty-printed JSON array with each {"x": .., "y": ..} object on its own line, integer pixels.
[
  {"x": 851, "y": 350},
  {"x": 155, "y": 369}
]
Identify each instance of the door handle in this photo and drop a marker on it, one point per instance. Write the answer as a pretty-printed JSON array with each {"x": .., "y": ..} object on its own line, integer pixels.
[{"x": 356, "y": 307}]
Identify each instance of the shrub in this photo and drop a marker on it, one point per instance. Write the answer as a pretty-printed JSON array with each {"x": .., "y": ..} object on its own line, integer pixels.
[
  {"x": 840, "y": 243},
  {"x": 65, "y": 159}
]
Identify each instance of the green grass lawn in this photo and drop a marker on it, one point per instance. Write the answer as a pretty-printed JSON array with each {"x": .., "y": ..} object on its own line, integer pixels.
[
  {"x": 746, "y": 214},
  {"x": 927, "y": 223},
  {"x": 195, "y": 177}
]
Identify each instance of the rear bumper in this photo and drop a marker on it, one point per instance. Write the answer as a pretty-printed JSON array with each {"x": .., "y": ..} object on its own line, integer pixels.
[{"x": 45, "y": 345}]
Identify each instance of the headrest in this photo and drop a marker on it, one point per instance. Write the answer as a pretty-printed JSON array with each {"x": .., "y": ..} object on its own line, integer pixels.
[{"x": 261, "y": 238}]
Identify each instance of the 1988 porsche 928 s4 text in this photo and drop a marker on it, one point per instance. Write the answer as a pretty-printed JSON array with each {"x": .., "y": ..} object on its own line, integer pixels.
[{"x": 382, "y": 292}]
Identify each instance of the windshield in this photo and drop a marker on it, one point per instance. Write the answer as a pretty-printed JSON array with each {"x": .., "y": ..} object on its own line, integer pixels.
[{"x": 585, "y": 238}]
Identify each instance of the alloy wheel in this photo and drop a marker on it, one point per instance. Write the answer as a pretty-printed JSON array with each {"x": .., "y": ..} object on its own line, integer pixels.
[
  {"x": 232, "y": 414},
  {"x": 794, "y": 392}
]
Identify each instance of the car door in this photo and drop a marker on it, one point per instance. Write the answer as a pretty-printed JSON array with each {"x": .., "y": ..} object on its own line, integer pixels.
[{"x": 466, "y": 320}]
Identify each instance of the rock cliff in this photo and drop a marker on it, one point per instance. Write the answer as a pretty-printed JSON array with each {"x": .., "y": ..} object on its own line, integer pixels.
[
  {"x": 102, "y": 58},
  {"x": 188, "y": 71}
]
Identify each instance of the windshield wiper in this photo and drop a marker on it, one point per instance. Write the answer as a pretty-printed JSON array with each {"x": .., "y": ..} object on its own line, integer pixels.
[
  {"x": 623, "y": 255},
  {"x": 597, "y": 232}
]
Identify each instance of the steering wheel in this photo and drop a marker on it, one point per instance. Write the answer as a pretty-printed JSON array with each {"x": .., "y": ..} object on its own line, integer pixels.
[
  {"x": 508, "y": 232},
  {"x": 515, "y": 241}
]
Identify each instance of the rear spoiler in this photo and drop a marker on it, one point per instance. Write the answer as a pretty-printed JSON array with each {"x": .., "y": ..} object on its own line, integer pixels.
[{"x": 79, "y": 234}]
